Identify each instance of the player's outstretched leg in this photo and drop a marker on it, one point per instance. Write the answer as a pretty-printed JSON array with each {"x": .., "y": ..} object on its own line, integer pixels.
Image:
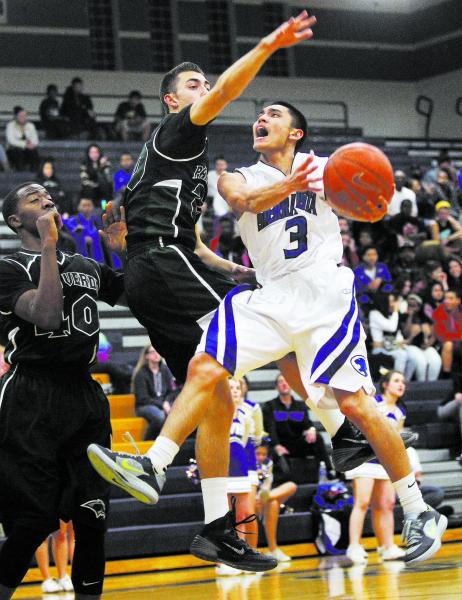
[
  {"x": 349, "y": 446},
  {"x": 423, "y": 526},
  {"x": 143, "y": 477},
  {"x": 201, "y": 404}
]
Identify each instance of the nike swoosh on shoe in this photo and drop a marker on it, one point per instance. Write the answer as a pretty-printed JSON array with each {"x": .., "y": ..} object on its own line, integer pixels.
[{"x": 236, "y": 550}]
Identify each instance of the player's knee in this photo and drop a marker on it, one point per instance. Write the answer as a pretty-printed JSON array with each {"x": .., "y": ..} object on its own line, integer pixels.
[
  {"x": 206, "y": 369},
  {"x": 358, "y": 408},
  {"x": 351, "y": 407}
]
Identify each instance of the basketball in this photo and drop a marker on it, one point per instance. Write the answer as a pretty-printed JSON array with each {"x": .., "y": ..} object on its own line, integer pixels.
[{"x": 358, "y": 182}]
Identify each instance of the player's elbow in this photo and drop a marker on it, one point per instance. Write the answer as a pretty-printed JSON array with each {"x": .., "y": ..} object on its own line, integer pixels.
[
  {"x": 252, "y": 207},
  {"x": 236, "y": 199}
]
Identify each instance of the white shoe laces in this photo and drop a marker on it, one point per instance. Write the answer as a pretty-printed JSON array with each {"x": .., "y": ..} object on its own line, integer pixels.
[{"x": 127, "y": 437}]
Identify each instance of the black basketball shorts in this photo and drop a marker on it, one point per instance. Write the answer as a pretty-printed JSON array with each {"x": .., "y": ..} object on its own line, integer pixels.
[
  {"x": 168, "y": 290},
  {"x": 46, "y": 424}
]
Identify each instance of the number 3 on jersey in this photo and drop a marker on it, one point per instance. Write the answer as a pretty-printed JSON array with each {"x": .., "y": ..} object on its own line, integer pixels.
[{"x": 298, "y": 228}]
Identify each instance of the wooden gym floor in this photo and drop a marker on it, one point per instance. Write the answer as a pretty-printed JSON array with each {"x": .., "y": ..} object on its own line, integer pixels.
[{"x": 311, "y": 578}]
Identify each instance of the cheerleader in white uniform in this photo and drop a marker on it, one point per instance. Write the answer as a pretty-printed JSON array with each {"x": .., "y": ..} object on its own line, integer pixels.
[{"x": 372, "y": 486}]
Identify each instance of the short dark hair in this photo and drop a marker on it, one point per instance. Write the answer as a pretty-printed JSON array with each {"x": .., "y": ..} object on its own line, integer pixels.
[
  {"x": 367, "y": 248},
  {"x": 432, "y": 265},
  {"x": 76, "y": 80},
  {"x": 168, "y": 83},
  {"x": 17, "y": 109},
  {"x": 135, "y": 93},
  {"x": 298, "y": 120},
  {"x": 52, "y": 87},
  {"x": 10, "y": 202},
  {"x": 219, "y": 157}
]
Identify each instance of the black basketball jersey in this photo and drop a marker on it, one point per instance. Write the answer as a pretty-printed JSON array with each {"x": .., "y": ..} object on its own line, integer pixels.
[
  {"x": 75, "y": 343},
  {"x": 169, "y": 184}
]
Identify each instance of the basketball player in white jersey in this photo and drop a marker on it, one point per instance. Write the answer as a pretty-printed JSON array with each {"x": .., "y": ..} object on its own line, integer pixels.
[{"x": 306, "y": 305}]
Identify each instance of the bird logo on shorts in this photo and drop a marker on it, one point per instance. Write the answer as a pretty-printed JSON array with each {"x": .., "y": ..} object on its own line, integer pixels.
[
  {"x": 359, "y": 364},
  {"x": 97, "y": 506}
]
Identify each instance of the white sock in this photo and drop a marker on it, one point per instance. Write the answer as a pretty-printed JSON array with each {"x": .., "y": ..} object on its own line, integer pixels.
[
  {"x": 409, "y": 495},
  {"x": 331, "y": 419},
  {"x": 162, "y": 453},
  {"x": 215, "y": 495}
]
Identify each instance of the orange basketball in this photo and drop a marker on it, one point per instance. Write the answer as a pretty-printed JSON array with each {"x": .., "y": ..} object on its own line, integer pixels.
[{"x": 358, "y": 182}]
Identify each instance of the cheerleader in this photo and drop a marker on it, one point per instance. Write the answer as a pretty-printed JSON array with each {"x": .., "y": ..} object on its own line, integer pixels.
[
  {"x": 269, "y": 501},
  {"x": 372, "y": 486}
]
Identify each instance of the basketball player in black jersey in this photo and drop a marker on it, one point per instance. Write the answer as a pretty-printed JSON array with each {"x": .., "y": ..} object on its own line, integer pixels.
[
  {"x": 50, "y": 408},
  {"x": 173, "y": 281}
]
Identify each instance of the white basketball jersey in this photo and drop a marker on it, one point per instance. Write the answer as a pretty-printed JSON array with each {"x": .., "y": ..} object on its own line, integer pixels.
[{"x": 297, "y": 233}]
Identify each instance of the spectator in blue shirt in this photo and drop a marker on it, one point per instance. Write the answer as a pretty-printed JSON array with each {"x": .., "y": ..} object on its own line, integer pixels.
[
  {"x": 84, "y": 229},
  {"x": 122, "y": 176},
  {"x": 371, "y": 276}
]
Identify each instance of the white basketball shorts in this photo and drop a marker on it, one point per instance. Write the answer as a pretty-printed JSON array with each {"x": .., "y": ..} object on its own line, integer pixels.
[{"x": 313, "y": 313}]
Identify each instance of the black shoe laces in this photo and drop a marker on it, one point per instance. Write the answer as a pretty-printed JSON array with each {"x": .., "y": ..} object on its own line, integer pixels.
[{"x": 248, "y": 519}]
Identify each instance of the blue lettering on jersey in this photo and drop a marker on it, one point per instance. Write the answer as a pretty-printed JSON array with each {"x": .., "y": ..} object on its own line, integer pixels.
[{"x": 305, "y": 201}]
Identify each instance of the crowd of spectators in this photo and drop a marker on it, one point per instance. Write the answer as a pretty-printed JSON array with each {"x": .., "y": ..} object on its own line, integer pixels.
[
  {"x": 71, "y": 117},
  {"x": 408, "y": 269},
  {"x": 100, "y": 183},
  {"x": 408, "y": 275}
]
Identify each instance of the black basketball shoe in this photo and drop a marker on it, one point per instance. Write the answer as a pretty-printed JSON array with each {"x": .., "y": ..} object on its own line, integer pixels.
[
  {"x": 351, "y": 449},
  {"x": 133, "y": 473},
  {"x": 219, "y": 542}
]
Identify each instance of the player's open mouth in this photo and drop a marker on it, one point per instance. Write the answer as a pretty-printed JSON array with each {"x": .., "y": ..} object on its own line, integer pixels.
[{"x": 260, "y": 132}]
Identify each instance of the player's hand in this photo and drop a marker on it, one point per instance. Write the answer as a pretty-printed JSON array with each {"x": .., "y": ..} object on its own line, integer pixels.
[
  {"x": 303, "y": 179},
  {"x": 293, "y": 31},
  {"x": 243, "y": 274},
  {"x": 47, "y": 226},
  {"x": 114, "y": 228}
]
